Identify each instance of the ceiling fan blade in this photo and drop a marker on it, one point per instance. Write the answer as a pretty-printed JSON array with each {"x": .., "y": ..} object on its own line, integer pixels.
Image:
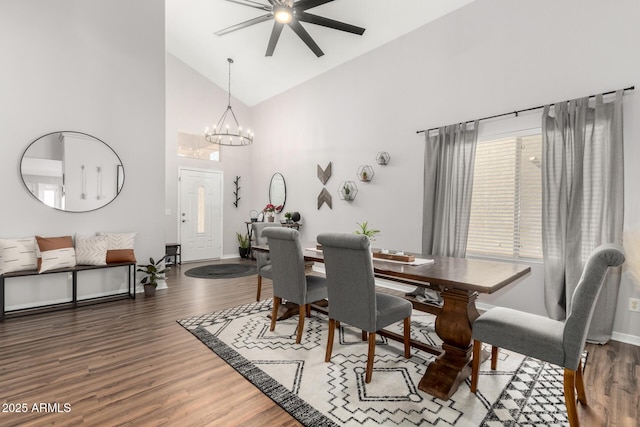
[
  {"x": 244, "y": 24},
  {"x": 308, "y": 4},
  {"x": 302, "y": 33},
  {"x": 329, "y": 23},
  {"x": 275, "y": 36},
  {"x": 253, "y": 4}
]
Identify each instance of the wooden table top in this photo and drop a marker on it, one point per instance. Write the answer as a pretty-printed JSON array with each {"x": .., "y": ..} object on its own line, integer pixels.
[{"x": 446, "y": 272}]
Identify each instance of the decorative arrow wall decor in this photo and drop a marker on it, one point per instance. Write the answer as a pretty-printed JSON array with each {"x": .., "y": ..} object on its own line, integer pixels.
[
  {"x": 324, "y": 174},
  {"x": 324, "y": 197}
]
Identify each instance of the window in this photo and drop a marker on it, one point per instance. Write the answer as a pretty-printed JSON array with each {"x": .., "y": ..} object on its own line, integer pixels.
[
  {"x": 197, "y": 147},
  {"x": 506, "y": 205},
  {"x": 201, "y": 210}
]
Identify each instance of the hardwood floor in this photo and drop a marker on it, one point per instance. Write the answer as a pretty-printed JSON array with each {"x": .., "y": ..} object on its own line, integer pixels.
[{"x": 129, "y": 363}]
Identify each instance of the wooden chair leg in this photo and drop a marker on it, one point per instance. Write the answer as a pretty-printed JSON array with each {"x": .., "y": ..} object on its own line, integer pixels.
[
  {"x": 570, "y": 396},
  {"x": 337, "y": 324},
  {"x": 407, "y": 337},
  {"x": 475, "y": 365},
  {"x": 308, "y": 306},
  {"x": 259, "y": 288},
  {"x": 274, "y": 312},
  {"x": 302, "y": 311},
  {"x": 364, "y": 335},
  {"x": 370, "y": 355},
  {"x": 494, "y": 357},
  {"x": 582, "y": 396},
  {"x": 332, "y": 328}
]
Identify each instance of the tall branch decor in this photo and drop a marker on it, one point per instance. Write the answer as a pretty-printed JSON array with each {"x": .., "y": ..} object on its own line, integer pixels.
[{"x": 237, "y": 192}]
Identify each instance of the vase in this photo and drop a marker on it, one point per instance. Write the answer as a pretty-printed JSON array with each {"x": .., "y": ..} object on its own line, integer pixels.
[{"x": 270, "y": 218}]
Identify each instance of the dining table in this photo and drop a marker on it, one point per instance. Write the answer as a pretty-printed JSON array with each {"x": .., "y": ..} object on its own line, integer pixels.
[{"x": 459, "y": 282}]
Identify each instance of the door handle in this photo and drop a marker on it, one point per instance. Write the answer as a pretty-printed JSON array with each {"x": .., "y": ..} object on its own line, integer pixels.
[{"x": 184, "y": 220}]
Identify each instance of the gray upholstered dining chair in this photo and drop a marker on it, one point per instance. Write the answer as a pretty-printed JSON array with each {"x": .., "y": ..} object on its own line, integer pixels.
[
  {"x": 290, "y": 281},
  {"x": 557, "y": 342},
  {"x": 352, "y": 295},
  {"x": 262, "y": 258}
]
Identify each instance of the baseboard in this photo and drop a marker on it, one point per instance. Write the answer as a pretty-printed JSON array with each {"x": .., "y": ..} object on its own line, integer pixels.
[{"x": 625, "y": 338}]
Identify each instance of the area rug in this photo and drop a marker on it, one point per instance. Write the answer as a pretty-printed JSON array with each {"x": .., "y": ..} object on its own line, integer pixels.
[
  {"x": 522, "y": 392},
  {"x": 222, "y": 271}
]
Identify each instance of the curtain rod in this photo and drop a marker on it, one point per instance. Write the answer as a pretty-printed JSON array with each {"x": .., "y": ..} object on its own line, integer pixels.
[{"x": 525, "y": 110}]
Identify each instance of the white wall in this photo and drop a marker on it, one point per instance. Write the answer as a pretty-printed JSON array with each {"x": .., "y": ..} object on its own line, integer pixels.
[
  {"x": 91, "y": 66},
  {"x": 490, "y": 57},
  {"x": 193, "y": 103}
]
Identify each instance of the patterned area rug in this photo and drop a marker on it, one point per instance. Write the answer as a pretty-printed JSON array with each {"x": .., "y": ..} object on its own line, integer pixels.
[
  {"x": 522, "y": 392},
  {"x": 222, "y": 271}
]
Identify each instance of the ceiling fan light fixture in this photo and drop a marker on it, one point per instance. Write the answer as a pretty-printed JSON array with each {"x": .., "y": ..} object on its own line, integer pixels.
[{"x": 283, "y": 14}]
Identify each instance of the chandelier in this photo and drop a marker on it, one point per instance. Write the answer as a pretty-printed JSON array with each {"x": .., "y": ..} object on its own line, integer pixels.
[{"x": 227, "y": 131}]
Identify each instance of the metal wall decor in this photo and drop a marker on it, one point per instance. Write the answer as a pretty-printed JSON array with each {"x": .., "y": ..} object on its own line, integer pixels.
[
  {"x": 383, "y": 158},
  {"x": 365, "y": 173},
  {"x": 236, "y": 193},
  {"x": 347, "y": 190}
]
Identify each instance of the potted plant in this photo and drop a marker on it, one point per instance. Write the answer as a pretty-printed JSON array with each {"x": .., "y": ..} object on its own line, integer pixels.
[
  {"x": 364, "y": 229},
  {"x": 243, "y": 244},
  {"x": 153, "y": 274},
  {"x": 270, "y": 210},
  {"x": 287, "y": 216}
]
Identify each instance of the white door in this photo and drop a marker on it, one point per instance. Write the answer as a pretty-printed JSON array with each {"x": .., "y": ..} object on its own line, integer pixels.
[{"x": 200, "y": 214}]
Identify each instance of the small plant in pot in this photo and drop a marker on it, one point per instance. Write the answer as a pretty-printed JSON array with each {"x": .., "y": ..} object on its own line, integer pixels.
[
  {"x": 364, "y": 229},
  {"x": 243, "y": 244},
  {"x": 153, "y": 274}
]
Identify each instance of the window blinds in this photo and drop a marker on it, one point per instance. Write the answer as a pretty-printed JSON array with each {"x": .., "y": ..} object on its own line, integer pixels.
[{"x": 507, "y": 198}]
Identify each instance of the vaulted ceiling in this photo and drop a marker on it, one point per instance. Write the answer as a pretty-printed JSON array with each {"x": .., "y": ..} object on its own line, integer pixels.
[{"x": 191, "y": 24}]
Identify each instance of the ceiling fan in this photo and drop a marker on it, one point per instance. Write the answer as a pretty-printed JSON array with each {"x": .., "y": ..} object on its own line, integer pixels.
[{"x": 291, "y": 13}]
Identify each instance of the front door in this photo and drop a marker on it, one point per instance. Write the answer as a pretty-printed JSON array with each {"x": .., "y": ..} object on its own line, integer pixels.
[{"x": 200, "y": 214}]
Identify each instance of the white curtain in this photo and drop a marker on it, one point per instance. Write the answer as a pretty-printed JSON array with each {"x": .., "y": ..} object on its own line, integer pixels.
[
  {"x": 582, "y": 200},
  {"x": 448, "y": 181}
]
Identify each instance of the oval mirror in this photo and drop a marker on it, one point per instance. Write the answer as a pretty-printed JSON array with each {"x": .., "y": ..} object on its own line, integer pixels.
[
  {"x": 72, "y": 171},
  {"x": 277, "y": 190}
]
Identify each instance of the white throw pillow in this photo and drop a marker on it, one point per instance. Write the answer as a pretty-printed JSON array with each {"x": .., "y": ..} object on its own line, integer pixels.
[
  {"x": 55, "y": 253},
  {"x": 120, "y": 247},
  {"x": 18, "y": 255},
  {"x": 91, "y": 250}
]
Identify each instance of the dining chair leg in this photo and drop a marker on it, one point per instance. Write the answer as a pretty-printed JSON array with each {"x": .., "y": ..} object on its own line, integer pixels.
[
  {"x": 582, "y": 396},
  {"x": 337, "y": 324},
  {"x": 407, "y": 337},
  {"x": 494, "y": 357},
  {"x": 274, "y": 312},
  {"x": 332, "y": 328},
  {"x": 570, "y": 396},
  {"x": 364, "y": 335},
  {"x": 308, "y": 306},
  {"x": 370, "y": 355},
  {"x": 302, "y": 311},
  {"x": 259, "y": 288},
  {"x": 475, "y": 365}
]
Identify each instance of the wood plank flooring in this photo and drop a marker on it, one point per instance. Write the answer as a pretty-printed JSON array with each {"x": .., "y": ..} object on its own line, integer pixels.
[{"x": 129, "y": 363}]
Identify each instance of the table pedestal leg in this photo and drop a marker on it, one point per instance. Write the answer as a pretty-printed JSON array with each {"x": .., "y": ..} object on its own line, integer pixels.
[{"x": 453, "y": 326}]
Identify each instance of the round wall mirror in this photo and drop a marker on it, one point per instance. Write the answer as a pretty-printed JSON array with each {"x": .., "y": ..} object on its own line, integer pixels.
[
  {"x": 72, "y": 171},
  {"x": 277, "y": 190}
]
